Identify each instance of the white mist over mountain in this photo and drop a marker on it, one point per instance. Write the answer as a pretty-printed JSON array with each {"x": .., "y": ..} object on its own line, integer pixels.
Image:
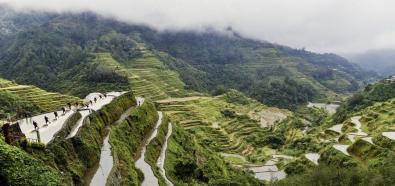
[{"x": 342, "y": 26}]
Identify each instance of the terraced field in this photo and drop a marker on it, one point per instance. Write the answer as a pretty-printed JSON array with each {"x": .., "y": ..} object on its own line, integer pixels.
[
  {"x": 360, "y": 139},
  {"x": 47, "y": 101},
  {"x": 148, "y": 76},
  {"x": 220, "y": 125}
]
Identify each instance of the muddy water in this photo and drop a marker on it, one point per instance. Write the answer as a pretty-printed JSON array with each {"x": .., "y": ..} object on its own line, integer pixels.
[
  {"x": 79, "y": 124},
  {"x": 149, "y": 177},
  {"x": 105, "y": 165},
  {"x": 330, "y": 108},
  {"x": 269, "y": 171},
  {"x": 313, "y": 157},
  {"x": 161, "y": 160},
  {"x": 342, "y": 148},
  {"x": 390, "y": 135}
]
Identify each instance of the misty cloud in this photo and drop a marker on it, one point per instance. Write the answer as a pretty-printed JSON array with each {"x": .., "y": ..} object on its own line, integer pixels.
[{"x": 320, "y": 25}]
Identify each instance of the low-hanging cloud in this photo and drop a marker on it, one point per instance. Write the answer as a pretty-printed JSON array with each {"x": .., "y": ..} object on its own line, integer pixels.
[{"x": 342, "y": 26}]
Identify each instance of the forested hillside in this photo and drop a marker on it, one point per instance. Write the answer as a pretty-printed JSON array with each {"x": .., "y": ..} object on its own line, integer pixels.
[
  {"x": 62, "y": 50},
  {"x": 183, "y": 108},
  {"x": 377, "y": 92}
]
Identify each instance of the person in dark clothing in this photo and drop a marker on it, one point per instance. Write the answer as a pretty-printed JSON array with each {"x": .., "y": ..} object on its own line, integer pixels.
[
  {"x": 46, "y": 120},
  {"x": 69, "y": 105},
  {"x": 95, "y": 99},
  {"x": 91, "y": 102},
  {"x": 100, "y": 96},
  {"x": 56, "y": 115},
  {"x": 63, "y": 110},
  {"x": 35, "y": 125},
  {"x": 105, "y": 95}
]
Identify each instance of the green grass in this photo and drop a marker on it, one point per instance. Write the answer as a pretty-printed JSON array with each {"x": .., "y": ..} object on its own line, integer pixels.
[
  {"x": 126, "y": 140},
  {"x": 46, "y": 101},
  {"x": 21, "y": 168},
  {"x": 226, "y": 123},
  {"x": 147, "y": 75},
  {"x": 154, "y": 149},
  {"x": 188, "y": 163},
  {"x": 78, "y": 156}
]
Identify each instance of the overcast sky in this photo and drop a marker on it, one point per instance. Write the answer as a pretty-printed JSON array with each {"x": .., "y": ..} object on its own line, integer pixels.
[{"x": 341, "y": 26}]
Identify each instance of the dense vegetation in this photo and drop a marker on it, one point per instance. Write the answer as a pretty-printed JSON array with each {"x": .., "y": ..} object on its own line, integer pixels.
[
  {"x": 62, "y": 50},
  {"x": 82, "y": 53},
  {"x": 20, "y": 168},
  {"x": 126, "y": 139},
  {"x": 333, "y": 175},
  {"x": 189, "y": 163},
  {"x": 78, "y": 156},
  {"x": 18, "y": 100},
  {"x": 11, "y": 103},
  {"x": 210, "y": 61},
  {"x": 378, "y": 92}
]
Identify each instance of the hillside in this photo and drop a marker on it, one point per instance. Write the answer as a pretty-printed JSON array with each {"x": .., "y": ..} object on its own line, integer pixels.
[
  {"x": 208, "y": 62},
  {"x": 259, "y": 69},
  {"x": 377, "y": 92},
  {"x": 184, "y": 108},
  {"x": 25, "y": 98}
]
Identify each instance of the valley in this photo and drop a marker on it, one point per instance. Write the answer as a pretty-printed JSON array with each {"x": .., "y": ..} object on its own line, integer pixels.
[{"x": 127, "y": 105}]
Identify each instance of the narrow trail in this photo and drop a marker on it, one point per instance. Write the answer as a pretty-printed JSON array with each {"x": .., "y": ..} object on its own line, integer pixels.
[
  {"x": 161, "y": 160},
  {"x": 105, "y": 165},
  {"x": 47, "y": 131},
  {"x": 149, "y": 178},
  {"x": 94, "y": 106}
]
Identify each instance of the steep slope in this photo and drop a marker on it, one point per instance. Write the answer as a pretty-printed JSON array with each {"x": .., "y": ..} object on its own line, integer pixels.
[
  {"x": 62, "y": 50},
  {"x": 52, "y": 56},
  {"x": 259, "y": 68},
  {"x": 377, "y": 92},
  {"x": 357, "y": 149},
  {"x": 25, "y": 98}
]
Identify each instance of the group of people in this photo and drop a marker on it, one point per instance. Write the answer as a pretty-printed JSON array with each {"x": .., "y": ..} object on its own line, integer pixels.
[{"x": 69, "y": 106}]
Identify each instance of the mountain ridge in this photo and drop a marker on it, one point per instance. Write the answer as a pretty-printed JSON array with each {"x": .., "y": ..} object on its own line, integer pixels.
[{"x": 259, "y": 69}]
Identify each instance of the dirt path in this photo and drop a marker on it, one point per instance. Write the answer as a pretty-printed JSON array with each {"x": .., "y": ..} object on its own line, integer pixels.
[{"x": 46, "y": 132}]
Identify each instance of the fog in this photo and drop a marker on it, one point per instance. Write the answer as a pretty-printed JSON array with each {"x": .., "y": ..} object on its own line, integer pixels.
[{"x": 341, "y": 26}]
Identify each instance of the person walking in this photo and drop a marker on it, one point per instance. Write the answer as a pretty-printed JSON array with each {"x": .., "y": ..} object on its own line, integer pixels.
[
  {"x": 95, "y": 99},
  {"x": 35, "y": 125},
  {"x": 91, "y": 102},
  {"x": 69, "y": 105},
  {"x": 63, "y": 110},
  {"x": 46, "y": 120},
  {"x": 56, "y": 115},
  {"x": 100, "y": 96}
]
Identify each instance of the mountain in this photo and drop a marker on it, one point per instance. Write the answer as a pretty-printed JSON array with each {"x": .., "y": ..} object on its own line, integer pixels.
[
  {"x": 260, "y": 69},
  {"x": 380, "y": 61},
  {"x": 192, "y": 109},
  {"x": 63, "y": 48}
]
